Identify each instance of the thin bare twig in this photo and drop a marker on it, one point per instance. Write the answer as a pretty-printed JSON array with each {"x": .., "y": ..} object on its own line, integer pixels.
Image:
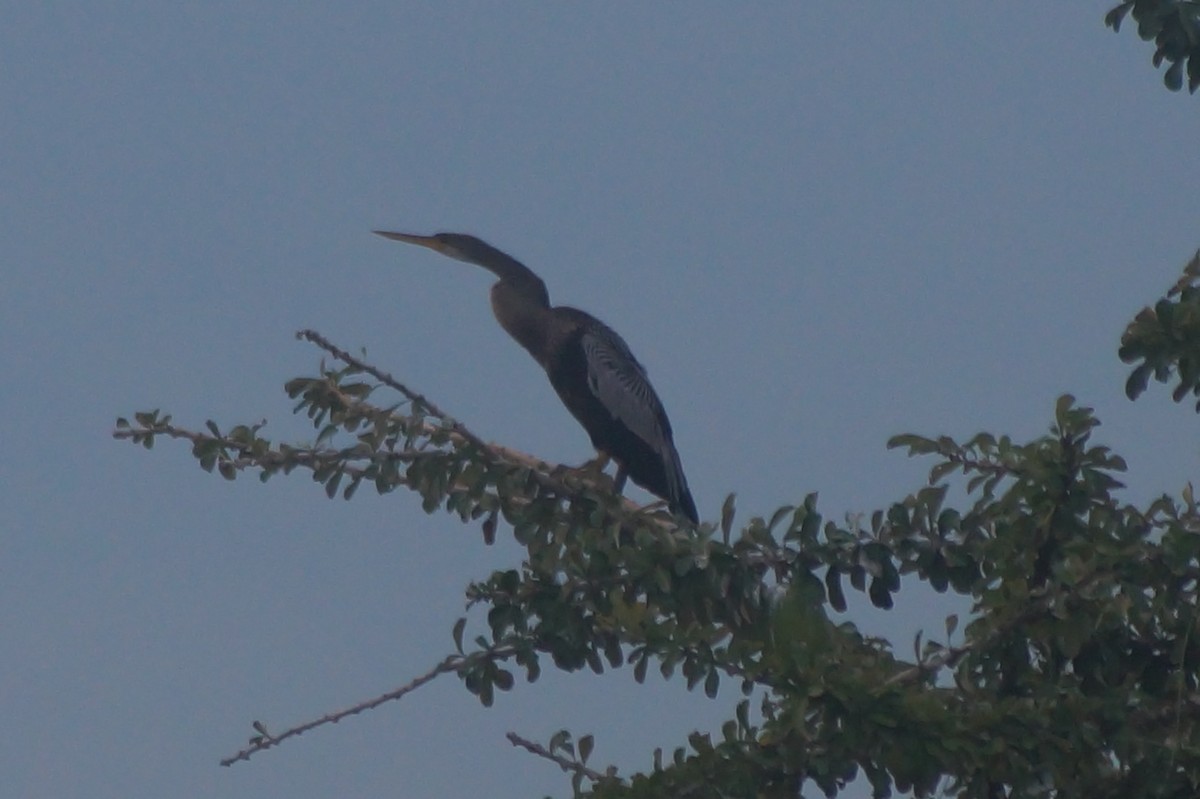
[
  {"x": 548, "y": 476},
  {"x": 452, "y": 663},
  {"x": 944, "y": 658},
  {"x": 314, "y": 457},
  {"x": 308, "y": 458},
  {"x": 569, "y": 766},
  {"x": 416, "y": 399}
]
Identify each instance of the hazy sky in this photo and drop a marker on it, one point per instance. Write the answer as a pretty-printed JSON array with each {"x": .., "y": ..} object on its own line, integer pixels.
[{"x": 817, "y": 225}]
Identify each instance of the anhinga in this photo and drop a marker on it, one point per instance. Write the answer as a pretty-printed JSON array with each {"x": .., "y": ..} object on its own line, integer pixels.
[{"x": 589, "y": 365}]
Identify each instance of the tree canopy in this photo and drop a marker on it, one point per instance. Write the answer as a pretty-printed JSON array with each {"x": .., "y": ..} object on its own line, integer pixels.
[
  {"x": 1174, "y": 27},
  {"x": 1075, "y": 675}
]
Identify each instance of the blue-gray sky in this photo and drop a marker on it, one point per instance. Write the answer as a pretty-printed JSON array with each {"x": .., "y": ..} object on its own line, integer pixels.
[{"x": 817, "y": 224}]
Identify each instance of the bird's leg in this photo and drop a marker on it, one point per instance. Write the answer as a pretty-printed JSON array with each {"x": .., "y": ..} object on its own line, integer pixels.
[
  {"x": 654, "y": 507},
  {"x": 619, "y": 480},
  {"x": 594, "y": 469}
]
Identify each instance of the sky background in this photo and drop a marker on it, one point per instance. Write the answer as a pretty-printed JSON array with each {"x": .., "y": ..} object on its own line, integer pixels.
[{"x": 817, "y": 224}]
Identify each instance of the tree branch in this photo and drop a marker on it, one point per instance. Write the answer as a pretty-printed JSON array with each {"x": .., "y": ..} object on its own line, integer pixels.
[
  {"x": 418, "y": 400},
  {"x": 569, "y": 766},
  {"x": 547, "y": 475},
  {"x": 452, "y": 663}
]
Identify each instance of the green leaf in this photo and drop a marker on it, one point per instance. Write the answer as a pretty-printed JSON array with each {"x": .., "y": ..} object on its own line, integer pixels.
[
  {"x": 1164, "y": 309},
  {"x": 833, "y": 587},
  {"x": 778, "y": 515},
  {"x": 331, "y": 487},
  {"x": 639, "y": 668},
  {"x": 938, "y": 472},
  {"x": 297, "y": 386},
  {"x": 812, "y": 519},
  {"x": 1137, "y": 381},
  {"x": 585, "y": 748},
  {"x": 878, "y": 592},
  {"x": 936, "y": 573},
  {"x": 727, "y": 517},
  {"x": 916, "y": 445},
  {"x": 459, "y": 627},
  {"x": 1173, "y": 77},
  {"x": 1062, "y": 407},
  {"x": 327, "y": 432},
  {"x": 357, "y": 390},
  {"x": 561, "y": 740},
  {"x": 146, "y": 418},
  {"x": 1115, "y": 16}
]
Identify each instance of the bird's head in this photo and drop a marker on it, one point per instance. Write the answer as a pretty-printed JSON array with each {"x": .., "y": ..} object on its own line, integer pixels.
[
  {"x": 478, "y": 252},
  {"x": 454, "y": 245}
]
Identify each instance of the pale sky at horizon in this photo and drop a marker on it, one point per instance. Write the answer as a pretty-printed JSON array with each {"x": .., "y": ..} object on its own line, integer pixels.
[{"x": 818, "y": 225}]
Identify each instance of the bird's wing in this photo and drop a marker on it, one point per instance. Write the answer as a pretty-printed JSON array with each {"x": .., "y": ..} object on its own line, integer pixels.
[
  {"x": 617, "y": 379},
  {"x": 621, "y": 385}
]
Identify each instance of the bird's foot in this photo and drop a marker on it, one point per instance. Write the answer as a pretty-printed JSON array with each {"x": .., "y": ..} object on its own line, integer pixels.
[
  {"x": 653, "y": 507},
  {"x": 593, "y": 472},
  {"x": 589, "y": 472},
  {"x": 594, "y": 467}
]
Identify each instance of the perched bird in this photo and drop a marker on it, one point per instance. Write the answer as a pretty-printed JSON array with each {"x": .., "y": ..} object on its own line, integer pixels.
[{"x": 589, "y": 365}]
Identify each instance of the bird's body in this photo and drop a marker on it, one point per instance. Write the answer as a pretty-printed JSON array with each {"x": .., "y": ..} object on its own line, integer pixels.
[{"x": 589, "y": 365}]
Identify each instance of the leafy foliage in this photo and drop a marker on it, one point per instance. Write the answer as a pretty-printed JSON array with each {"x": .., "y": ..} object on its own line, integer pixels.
[
  {"x": 1164, "y": 341},
  {"x": 1174, "y": 27},
  {"x": 1076, "y": 674}
]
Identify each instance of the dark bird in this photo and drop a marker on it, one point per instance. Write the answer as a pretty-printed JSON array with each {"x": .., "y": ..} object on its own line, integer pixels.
[{"x": 589, "y": 365}]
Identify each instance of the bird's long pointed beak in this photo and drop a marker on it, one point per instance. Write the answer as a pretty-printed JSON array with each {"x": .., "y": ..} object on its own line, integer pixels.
[{"x": 408, "y": 238}]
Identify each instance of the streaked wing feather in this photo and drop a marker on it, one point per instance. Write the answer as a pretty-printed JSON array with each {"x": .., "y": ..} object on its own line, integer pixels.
[{"x": 621, "y": 385}]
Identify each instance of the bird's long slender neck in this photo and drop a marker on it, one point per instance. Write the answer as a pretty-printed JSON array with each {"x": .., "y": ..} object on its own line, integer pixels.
[
  {"x": 520, "y": 302},
  {"x": 523, "y": 309},
  {"x": 509, "y": 269}
]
